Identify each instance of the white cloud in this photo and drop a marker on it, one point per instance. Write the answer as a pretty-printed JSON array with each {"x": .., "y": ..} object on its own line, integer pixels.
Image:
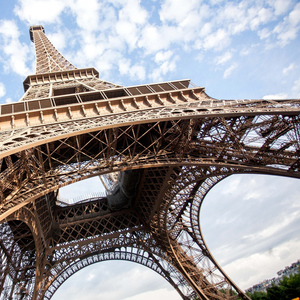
[
  {"x": 229, "y": 70},
  {"x": 58, "y": 39},
  {"x": 16, "y": 54},
  {"x": 294, "y": 16},
  {"x": 288, "y": 69},
  {"x": 283, "y": 222},
  {"x": 261, "y": 265},
  {"x": 161, "y": 294},
  {"x": 217, "y": 40},
  {"x": 2, "y": 90},
  {"x": 245, "y": 236},
  {"x": 133, "y": 12},
  {"x": 163, "y": 69},
  {"x": 163, "y": 56},
  {"x": 205, "y": 30},
  {"x": 37, "y": 12},
  {"x": 263, "y": 16},
  {"x": 264, "y": 33},
  {"x": 220, "y": 60},
  {"x": 233, "y": 17},
  {"x": 247, "y": 50},
  {"x": 282, "y": 6},
  {"x": 276, "y": 96},
  {"x": 135, "y": 72},
  {"x": 155, "y": 38},
  {"x": 104, "y": 276},
  {"x": 287, "y": 30},
  {"x": 166, "y": 62},
  {"x": 86, "y": 13},
  {"x": 108, "y": 60},
  {"x": 178, "y": 11}
]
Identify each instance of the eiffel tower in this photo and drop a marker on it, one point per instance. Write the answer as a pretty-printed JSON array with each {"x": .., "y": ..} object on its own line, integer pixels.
[{"x": 160, "y": 147}]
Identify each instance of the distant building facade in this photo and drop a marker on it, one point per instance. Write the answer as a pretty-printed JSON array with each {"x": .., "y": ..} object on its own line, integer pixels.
[{"x": 287, "y": 271}]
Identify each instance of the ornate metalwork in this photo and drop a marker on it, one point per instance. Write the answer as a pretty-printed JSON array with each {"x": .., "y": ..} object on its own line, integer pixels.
[{"x": 170, "y": 142}]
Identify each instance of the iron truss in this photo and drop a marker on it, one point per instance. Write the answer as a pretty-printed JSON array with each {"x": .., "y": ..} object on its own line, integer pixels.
[{"x": 172, "y": 138}]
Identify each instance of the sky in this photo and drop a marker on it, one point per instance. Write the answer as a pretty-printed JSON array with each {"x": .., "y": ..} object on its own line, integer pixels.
[{"x": 245, "y": 49}]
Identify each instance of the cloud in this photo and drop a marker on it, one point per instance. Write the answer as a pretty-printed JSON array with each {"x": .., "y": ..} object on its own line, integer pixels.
[
  {"x": 86, "y": 13},
  {"x": 220, "y": 60},
  {"x": 161, "y": 294},
  {"x": 135, "y": 72},
  {"x": 217, "y": 40},
  {"x": 163, "y": 69},
  {"x": 133, "y": 12},
  {"x": 282, "y": 6},
  {"x": 261, "y": 265},
  {"x": 106, "y": 28},
  {"x": 246, "y": 211},
  {"x": 287, "y": 30},
  {"x": 264, "y": 33},
  {"x": 58, "y": 39},
  {"x": 15, "y": 53},
  {"x": 179, "y": 12},
  {"x": 276, "y": 96},
  {"x": 163, "y": 56},
  {"x": 36, "y": 12},
  {"x": 2, "y": 90},
  {"x": 261, "y": 269},
  {"x": 229, "y": 70},
  {"x": 156, "y": 38},
  {"x": 288, "y": 69},
  {"x": 263, "y": 15},
  {"x": 166, "y": 62},
  {"x": 132, "y": 17},
  {"x": 293, "y": 17},
  {"x": 114, "y": 280}
]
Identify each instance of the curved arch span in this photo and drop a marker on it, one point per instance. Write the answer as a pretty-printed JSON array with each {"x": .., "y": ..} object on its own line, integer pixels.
[{"x": 142, "y": 257}]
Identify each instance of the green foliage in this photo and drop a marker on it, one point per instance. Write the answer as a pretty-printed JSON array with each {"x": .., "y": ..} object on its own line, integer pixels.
[
  {"x": 288, "y": 289},
  {"x": 258, "y": 296}
]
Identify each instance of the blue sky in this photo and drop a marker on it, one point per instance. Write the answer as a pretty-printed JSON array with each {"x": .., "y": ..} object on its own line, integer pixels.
[{"x": 235, "y": 49}]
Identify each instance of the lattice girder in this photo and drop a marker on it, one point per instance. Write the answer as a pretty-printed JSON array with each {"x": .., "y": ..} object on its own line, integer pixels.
[
  {"x": 208, "y": 279},
  {"x": 22, "y": 245},
  {"x": 62, "y": 161},
  {"x": 209, "y": 269},
  {"x": 190, "y": 256},
  {"x": 79, "y": 116},
  {"x": 48, "y": 59},
  {"x": 134, "y": 245}
]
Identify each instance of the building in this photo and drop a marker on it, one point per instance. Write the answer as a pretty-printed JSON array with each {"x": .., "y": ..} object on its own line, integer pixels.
[{"x": 287, "y": 271}]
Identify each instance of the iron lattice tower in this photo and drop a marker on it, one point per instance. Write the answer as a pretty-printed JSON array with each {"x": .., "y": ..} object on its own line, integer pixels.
[{"x": 170, "y": 142}]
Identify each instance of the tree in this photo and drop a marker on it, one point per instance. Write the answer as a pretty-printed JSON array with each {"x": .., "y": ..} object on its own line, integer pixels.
[
  {"x": 287, "y": 289},
  {"x": 258, "y": 296}
]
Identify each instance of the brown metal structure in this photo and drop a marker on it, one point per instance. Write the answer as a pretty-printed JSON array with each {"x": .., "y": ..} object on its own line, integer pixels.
[{"x": 170, "y": 142}]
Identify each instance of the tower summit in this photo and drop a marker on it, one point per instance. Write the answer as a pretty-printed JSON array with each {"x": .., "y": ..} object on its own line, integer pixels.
[
  {"x": 48, "y": 59},
  {"x": 170, "y": 144}
]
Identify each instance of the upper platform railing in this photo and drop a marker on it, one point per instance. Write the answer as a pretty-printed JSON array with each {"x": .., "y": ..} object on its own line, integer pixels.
[{"x": 71, "y": 97}]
